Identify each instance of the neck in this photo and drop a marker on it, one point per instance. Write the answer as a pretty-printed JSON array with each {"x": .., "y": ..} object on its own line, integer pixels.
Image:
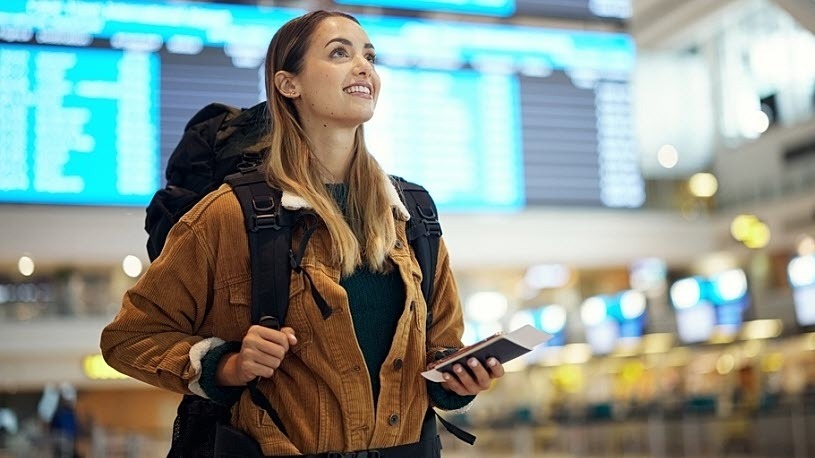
[{"x": 333, "y": 147}]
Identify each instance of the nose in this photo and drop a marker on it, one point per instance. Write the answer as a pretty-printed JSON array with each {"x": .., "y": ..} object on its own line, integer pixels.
[{"x": 362, "y": 66}]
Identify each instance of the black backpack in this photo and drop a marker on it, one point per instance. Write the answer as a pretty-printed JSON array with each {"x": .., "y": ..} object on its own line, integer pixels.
[
  {"x": 219, "y": 141},
  {"x": 226, "y": 144}
]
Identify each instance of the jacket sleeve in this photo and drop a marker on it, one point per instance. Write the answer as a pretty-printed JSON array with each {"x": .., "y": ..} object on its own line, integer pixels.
[
  {"x": 158, "y": 336},
  {"x": 446, "y": 329}
]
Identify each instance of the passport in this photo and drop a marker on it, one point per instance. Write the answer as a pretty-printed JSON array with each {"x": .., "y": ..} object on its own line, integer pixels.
[{"x": 502, "y": 346}]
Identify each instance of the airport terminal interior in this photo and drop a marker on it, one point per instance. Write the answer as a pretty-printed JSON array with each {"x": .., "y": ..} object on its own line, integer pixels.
[{"x": 635, "y": 178}]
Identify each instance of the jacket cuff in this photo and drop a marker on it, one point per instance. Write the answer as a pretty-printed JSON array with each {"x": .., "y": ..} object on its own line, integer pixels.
[
  {"x": 205, "y": 359},
  {"x": 447, "y": 400},
  {"x": 441, "y": 398}
]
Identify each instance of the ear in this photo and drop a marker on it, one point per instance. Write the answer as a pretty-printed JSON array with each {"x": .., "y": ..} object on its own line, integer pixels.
[{"x": 286, "y": 84}]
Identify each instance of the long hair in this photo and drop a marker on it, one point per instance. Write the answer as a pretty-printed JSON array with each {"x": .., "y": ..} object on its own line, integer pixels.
[{"x": 369, "y": 231}]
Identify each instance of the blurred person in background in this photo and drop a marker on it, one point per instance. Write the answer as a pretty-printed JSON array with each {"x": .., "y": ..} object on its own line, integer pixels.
[
  {"x": 8, "y": 426},
  {"x": 746, "y": 397},
  {"x": 64, "y": 428},
  {"x": 809, "y": 377},
  {"x": 185, "y": 326}
]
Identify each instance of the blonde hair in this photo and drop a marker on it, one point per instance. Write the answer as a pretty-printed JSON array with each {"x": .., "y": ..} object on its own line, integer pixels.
[{"x": 369, "y": 232}]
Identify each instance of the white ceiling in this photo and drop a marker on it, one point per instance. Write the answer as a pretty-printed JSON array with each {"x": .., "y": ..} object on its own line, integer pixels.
[{"x": 671, "y": 24}]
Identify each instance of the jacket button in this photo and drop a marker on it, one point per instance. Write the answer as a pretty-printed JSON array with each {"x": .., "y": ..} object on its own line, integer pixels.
[
  {"x": 399, "y": 244},
  {"x": 397, "y": 364},
  {"x": 393, "y": 420}
]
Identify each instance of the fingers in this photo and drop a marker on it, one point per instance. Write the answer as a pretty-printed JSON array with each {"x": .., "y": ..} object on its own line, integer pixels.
[
  {"x": 282, "y": 337},
  {"x": 252, "y": 369},
  {"x": 475, "y": 380},
  {"x": 463, "y": 383},
  {"x": 253, "y": 363},
  {"x": 263, "y": 350},
  {"x": 453, "y": 384},
  {"x": 290, "y": 334},
  {"x": 496, "y": 368}
]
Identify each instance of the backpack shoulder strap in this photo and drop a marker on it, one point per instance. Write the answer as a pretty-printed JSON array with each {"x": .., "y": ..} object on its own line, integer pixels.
[
  {"x": 269, "y": 229},
  {"x": 423, "y": 232}
]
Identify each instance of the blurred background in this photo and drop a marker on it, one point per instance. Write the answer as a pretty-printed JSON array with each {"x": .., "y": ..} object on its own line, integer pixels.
[{"x": 636, "y": 177}]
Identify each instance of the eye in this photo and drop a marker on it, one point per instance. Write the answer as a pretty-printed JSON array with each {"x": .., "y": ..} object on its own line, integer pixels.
[
  {"x": 339, "y": 52},
  {"x": 371, "y": 58}
]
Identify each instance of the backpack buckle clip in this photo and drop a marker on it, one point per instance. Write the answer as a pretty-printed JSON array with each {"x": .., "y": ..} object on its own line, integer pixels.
[
  {"x": 430, "y": 220},
  {"x": 361, "y": 454},
  {"x": 265, "y": 217},
  {"x": 265, "y": 204},
  {"x": 250, "y": 161},
  {"x": 432, "y": 228},
  {"x": 260, "y": 222}
]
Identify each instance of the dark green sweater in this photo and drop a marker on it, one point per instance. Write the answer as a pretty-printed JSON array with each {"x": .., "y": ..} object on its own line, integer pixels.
[{"x": 377, "y": 301}]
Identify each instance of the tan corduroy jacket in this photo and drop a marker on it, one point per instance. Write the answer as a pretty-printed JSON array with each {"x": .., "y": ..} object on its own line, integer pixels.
[{"x": 196, "y": 295}]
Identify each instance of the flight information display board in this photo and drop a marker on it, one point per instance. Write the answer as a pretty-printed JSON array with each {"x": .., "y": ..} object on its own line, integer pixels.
[
  {"x": 485, "y": 7},
  {"x": 96, "y": 94},
  {"x": 572, "y": 9},
  {"x": 576, "y": 9},
  {"x": 79, "y": 125},
  {"x": 468, "y": 143}
]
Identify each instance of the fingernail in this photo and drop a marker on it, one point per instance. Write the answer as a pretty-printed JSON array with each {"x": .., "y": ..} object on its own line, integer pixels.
[
  {"x": 492, "y": 362},
  {"x": 473, "y": 362},
  {"x": 457, "y": 368},
  {"x": 446, "y": 376}
]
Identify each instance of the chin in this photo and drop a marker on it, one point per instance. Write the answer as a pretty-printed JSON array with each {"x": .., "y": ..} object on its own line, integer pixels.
[{"x": 361, "y": 119}]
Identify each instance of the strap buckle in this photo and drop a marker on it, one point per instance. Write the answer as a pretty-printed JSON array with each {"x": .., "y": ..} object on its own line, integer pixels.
[
  {"x": 260, "y": 222},
  {"x": 360, "y": 454},
  {"x": 250, "y": 161},
  {"x": 265, "y": 216},
  {"x": 430, "y": 220}
]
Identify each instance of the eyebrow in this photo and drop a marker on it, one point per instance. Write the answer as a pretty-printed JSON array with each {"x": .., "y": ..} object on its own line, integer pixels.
[{"x": 347, "y": 42}]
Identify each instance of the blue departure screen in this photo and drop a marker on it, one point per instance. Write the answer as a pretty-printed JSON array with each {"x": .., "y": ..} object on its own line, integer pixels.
[
  {"x": 486, "y": 7},
  {"x": 79, "y": 125},
  {"x": 94, "y": 96},
  {"x": 467, "y": 132}
]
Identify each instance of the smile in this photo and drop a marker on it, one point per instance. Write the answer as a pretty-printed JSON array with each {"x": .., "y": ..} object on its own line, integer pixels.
[{"x": 358, "y": 89}]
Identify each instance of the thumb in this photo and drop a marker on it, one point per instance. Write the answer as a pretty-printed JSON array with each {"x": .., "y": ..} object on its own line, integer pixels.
[{"x": 290, "y": 334}]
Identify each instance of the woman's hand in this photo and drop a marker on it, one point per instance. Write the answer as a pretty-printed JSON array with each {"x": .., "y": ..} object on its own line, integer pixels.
[
  {"x": 465, "y": 384},
  {"x": 262, "y": 351}
]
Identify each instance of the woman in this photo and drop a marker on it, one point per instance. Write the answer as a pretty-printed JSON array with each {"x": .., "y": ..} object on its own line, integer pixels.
[{"x": 185, "y": 325}]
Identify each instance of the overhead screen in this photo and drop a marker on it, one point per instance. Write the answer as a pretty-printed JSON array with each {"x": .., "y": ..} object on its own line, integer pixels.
[
  {"x": 574, "y": 9},
  {"x": 487, "y": 7},
  {"x": 95, "y": 95}
]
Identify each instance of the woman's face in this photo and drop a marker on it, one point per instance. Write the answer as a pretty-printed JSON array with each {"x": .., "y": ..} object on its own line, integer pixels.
[{"x": 338, "y": 85}]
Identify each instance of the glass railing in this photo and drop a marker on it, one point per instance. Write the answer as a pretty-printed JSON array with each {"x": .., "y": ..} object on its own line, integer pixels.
[
  {"x": 699, "y": 427},
  {"x": 799, "y": 181}
]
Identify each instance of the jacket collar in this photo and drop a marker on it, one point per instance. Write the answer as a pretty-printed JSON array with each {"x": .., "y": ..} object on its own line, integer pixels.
[{"x": 294, "y": 202}]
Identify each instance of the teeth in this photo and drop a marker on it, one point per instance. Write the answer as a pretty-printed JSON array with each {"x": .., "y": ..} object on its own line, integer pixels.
[{"x": 361, "y": 89}]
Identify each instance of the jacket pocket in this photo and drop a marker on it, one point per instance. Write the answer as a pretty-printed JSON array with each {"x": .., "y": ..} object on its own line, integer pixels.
[
  {"x": 240, "y": 302},
  {"x": 268, "y": 436},
  {"x": 295, "y": 410}
]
